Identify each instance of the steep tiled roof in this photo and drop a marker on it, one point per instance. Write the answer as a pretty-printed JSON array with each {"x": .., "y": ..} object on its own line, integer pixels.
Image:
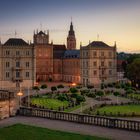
[
  {"x": 98, "y": 44},
  {"x": 15, "y": 42},
  {"x": 72, "y": 54}
]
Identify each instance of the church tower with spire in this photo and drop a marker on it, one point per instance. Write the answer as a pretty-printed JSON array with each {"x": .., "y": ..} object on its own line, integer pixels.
[{"x": 71, "y": 40}]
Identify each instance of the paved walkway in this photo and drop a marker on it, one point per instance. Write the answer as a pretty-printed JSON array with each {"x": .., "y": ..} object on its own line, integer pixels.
[
  {"x": 91, "y": 102},
  {"x": 114, "y": 134}
]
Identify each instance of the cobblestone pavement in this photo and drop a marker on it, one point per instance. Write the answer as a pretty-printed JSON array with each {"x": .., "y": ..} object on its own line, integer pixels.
[{"x": 114, "y": 134}]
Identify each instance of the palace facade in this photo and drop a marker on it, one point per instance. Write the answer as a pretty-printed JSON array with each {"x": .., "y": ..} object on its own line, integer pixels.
[{"x": 25, "y": 64}]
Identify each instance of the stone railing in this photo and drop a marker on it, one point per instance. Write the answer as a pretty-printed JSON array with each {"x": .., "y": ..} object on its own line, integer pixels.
[{"x": 79, "y": 118}]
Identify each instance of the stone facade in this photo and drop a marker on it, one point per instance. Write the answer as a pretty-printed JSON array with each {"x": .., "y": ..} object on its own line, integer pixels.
[
  {"x": 8, "y": 104},
  {"x": 44, "y": 56},
  {"x": 17, "y": 64},
  {"x": 98, "y": 63},
  {"x": 71, "y": 66}
]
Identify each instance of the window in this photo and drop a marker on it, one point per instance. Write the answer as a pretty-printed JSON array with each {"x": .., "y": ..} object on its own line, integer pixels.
[
  {"x": 94, "y": 72},
  {"x": 17, "y": 64},
  {"x": 17, "y": 53},
  {"x": 94, "y": 54},
  {"x": 27, "y": 53},
  {"x": 83, "y": 54},
  {"x": 83, "y": 64},
  {"x": 86, "y": 54},
  {"x": 102, "y": 53},
  {"x": 27, "y": 74},
  {"x": 86, "y": 64},
  {"x": 110, "y": 72},
  {"x": 27, "y": 64},
  {"x": 110, "y": 54},
  {"x": 7, "y": 64},
  {"x": 7, "y": 74},
  {"x": 7, "y": 52},
  {"x": 94, "y": 63},
  {"x": 102, "y": 63},
  {"x": 17, "y": 74},
  {"x": 110, "y": 64}
]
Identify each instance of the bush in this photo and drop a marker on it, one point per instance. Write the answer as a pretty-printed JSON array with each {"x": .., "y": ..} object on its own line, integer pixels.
[
  {"x": 60, "y": 86},
  {"x": 116, "y": 93},
  {"x": 62, "y": 97},
  {"x": 92, "y": 95},
  {"x": 74, "y": 95},
  {"x": 129, "y": 91},
  {"x": 73, "y": 90},
  {"x": 84, "y": 92},
  {"x": 53, "y": 89},
  {"x": 35, "y": 88},
  {"x": 90, "y": 86},
  {"x": 44, "y": 86},
  {"x": 99, "y": 93},
  {"x": 80, "y": 99}
]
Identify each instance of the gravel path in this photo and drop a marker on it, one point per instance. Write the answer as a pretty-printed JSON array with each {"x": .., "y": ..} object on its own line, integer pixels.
[{"x": 114, "y": 134}]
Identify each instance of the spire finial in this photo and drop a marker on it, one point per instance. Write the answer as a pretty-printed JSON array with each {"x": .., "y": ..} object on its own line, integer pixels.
[
  {"x": 115, "y": 44},
  {"x": 15, "y": 33},
  {"x": 80, "y": 44},
  {"x": 98, "y": 37},
  {"x": 41, "y": 26}
]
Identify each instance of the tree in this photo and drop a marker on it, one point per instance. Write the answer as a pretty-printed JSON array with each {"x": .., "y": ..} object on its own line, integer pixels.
[
  {"x": 116, "y": 94},
  {"x": 133, "y": 72}
]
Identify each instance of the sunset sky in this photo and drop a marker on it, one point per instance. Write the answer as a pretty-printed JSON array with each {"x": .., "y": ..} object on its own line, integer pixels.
[{"x": 113, "y": 20}]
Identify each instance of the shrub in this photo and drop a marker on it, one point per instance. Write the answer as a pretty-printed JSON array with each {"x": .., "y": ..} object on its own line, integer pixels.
[
  {"x": 35, "y": 88},
  {"x": 73, "y": 90},
  {"x": 62, "y": 97},
  {"x": 43, "y": 86},
  {"x": 129, "y": 91},
  {"x": 92, "y": 95},
  {"x": 60, "y": 86},
  {"x": 80, "y": 99},
  {"x": 53, "y": 88},
  {"x": 99, "y": 93},
  {"x": 116, "y": 93},
  {"x": 90, "y": 86},
  {"x": 83, "y": 92},
  {"x": 74, "y": 95}
]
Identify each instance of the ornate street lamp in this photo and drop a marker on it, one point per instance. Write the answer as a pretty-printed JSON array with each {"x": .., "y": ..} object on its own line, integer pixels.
[{"x": 20, "y": 94}]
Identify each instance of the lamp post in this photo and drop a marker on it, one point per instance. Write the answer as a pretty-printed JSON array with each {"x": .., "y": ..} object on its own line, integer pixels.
[{"x": 20, "y": 94}]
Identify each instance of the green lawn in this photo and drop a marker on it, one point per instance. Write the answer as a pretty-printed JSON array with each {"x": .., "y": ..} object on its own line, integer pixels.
[
  {"x": 25, "y": 132},
  {"x": 49, "y": 103},
  {"x": 123, "y": 109}
]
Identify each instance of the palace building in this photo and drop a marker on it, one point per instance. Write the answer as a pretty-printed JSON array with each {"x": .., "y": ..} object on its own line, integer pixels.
[
  {"x": 17, "y": 64},
  {"x": 24, "y": 64}
]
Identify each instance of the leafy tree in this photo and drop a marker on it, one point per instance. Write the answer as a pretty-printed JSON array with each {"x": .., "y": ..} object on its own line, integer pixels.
[
  {"x": 80, "y": 99},
  {"x": 133, "y": 72}
]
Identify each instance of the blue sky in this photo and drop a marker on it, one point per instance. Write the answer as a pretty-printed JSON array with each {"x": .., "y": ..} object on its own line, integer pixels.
[{"x": 113, "y": 20}]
